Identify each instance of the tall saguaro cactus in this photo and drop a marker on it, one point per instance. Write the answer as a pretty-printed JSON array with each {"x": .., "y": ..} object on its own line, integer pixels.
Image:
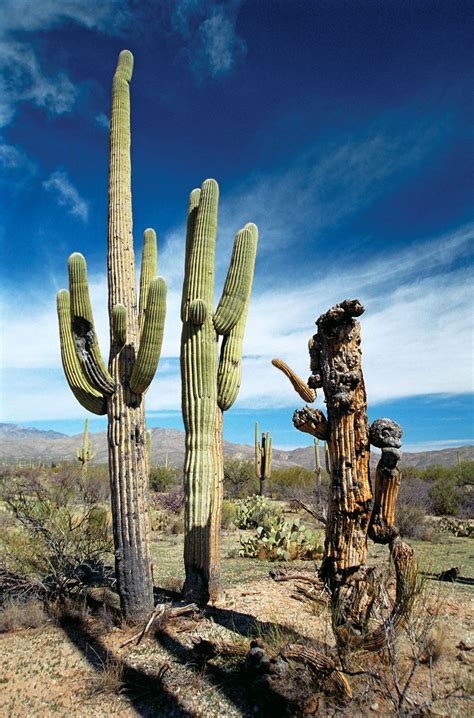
[
  {"x": 263, "y": 458},
  {"x": 85, "y": 454},
  {"x": 209, "y": 386},
  {"x": 135, "y": 346}
]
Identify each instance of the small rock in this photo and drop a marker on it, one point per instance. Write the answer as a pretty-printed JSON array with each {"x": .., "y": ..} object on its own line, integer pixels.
[{"x": 374, "y": 707}]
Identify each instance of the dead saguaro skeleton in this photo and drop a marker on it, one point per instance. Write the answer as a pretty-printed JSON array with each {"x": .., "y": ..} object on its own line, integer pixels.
[{"x": 356, "y": 510}]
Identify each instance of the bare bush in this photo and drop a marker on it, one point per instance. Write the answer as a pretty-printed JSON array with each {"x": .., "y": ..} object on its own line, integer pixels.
[
  {"x": 16, "y": 614},
  {"x": 61, "y": 536}
]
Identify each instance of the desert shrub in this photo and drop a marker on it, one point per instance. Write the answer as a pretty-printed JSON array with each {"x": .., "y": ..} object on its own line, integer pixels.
[
  {"x": 239, "y": 478},
  {"x": 171, "y": 501},
  {"x": 163, "y": 478},
  {"x": 167, "y": 512},
  {"x": 465, "y": 473},
  {"x": 15, "y": 614},
  {"x": 254, "y": 511},
  {"x": 411, "y": 521},
  {"x": 61, "y": 537},
  {"x": 282, "y": 540},
  {"x": 229, "y": 511},
  {"x": 293, "y": 482},
  {"x": 414, "y": 492},
  {"x": 176, "y": 526},
  {"x": 159, "y": 519},
  {"x": 446, "y": 497}
]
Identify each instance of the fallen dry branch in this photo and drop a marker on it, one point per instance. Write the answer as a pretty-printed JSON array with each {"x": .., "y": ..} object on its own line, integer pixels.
[
  {"x": 261, "y": 660},
  {"x": 165, "y": 612},
  {"x": 322, "y": 665},
  {"x": 315, "y": 514},
  {"x": 279, "y": 575}
]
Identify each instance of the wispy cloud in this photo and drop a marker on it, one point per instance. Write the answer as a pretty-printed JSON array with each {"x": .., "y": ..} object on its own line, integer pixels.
[
  {"x": 416, "y": 332},
  {"x": 67, "y": 195},
  {"x": 208, "y": 29},
  {"x": 326, "y": 185},
  {"x": 22, "y": 78},
  {"x": 102, "y": 120}
]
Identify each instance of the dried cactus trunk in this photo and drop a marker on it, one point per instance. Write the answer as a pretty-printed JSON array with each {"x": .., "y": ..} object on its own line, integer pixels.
[
  {"x": 336, "y": 366},
  {"x": 135, "y": 347},
  {"x": 85, "y": 454},
  {"x": 263, "y": 458},
  {"x": 209, "y": 386},
  {"x": 386, "y": 435}
]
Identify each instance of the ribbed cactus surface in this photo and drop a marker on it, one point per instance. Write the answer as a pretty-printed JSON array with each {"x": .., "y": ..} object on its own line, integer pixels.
[
  {"x": 85, "y": 454},
  {"x": 135, "y": 346},
  {"x": 263, "y": 457},
  {"x": 210, "y": 383}
]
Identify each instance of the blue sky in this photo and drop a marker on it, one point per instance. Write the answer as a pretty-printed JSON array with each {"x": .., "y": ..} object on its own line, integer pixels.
[{"x": 340, "y": 128}]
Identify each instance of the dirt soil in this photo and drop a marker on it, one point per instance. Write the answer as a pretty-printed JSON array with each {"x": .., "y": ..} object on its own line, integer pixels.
[{"x": 67, "y": 669}]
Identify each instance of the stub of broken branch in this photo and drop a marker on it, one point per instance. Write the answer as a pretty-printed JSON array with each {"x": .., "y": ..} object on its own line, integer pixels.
[
  {"x": 311, "y": 421},
  {"x": 300, "y": 386}
]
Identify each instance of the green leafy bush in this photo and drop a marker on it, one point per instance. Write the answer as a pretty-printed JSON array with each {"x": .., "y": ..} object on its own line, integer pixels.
[
  {"x": 293, "y": 482},
  {"x": 253, "y": 511},
  {"x": 282, "y": 540},
  {"x": 412, "y": 523},
  {"x": 239, "y": 478},
  {"x": 163, "y": 478},
  {"x": 229, "y": 511},
  {"x": 61, "y": 535},
  {"x": 446, "y": 497}
]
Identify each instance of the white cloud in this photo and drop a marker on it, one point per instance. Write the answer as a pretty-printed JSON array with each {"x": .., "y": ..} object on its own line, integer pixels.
[
  {"x": 67, "y": 195},
  {"x": 22, "y": 79},
  {"x": 209, "y": 30},
  {"x": 416, "y": 333},
  {"x": 325, "y": 186},
  {"x": 417, "y": 446},
  {"x": 102, "y": 120},
  {"x": 30, "y": 16},
  {"x": 16, "y": 165}
]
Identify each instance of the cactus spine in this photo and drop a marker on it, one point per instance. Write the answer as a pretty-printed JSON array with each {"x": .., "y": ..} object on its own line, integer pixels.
[
  {"x": 209, "y": 386},
  {"x": 85, "y": 454},
  {"x": 263, "y": 458},
  {"x": 135, "y": 346}
]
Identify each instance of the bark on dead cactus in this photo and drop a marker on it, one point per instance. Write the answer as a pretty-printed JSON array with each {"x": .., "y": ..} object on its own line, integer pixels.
[{"x": 353, "y": 512}]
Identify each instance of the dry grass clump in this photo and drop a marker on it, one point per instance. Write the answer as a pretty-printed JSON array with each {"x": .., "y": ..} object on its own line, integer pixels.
[
  {"x": 109, "y": 677},
  {"x": 15, "y": 614}
]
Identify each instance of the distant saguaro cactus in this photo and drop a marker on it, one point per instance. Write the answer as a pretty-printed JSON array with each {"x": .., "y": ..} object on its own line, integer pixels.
[
  {"x": 263, "y": 458},
  {"x": 85, "y": 454},
  {"x": 135, "y": 346},
  {"x": 209, "y": 386}
]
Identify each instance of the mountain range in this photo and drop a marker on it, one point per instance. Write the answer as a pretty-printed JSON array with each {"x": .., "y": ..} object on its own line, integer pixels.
[{"x": 18, "y": 443}]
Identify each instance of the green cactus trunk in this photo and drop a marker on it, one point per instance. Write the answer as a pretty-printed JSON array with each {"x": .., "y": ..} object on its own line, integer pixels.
[
  {"x": 135, "y": 346},
  {"x": 263, "y": 458},
  {"x": 209, "y": 386},
  {"x": 85, "y": 454}
]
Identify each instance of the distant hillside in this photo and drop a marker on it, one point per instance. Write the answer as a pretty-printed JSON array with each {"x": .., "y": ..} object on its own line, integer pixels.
[{"x": 20, "y": 443}]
